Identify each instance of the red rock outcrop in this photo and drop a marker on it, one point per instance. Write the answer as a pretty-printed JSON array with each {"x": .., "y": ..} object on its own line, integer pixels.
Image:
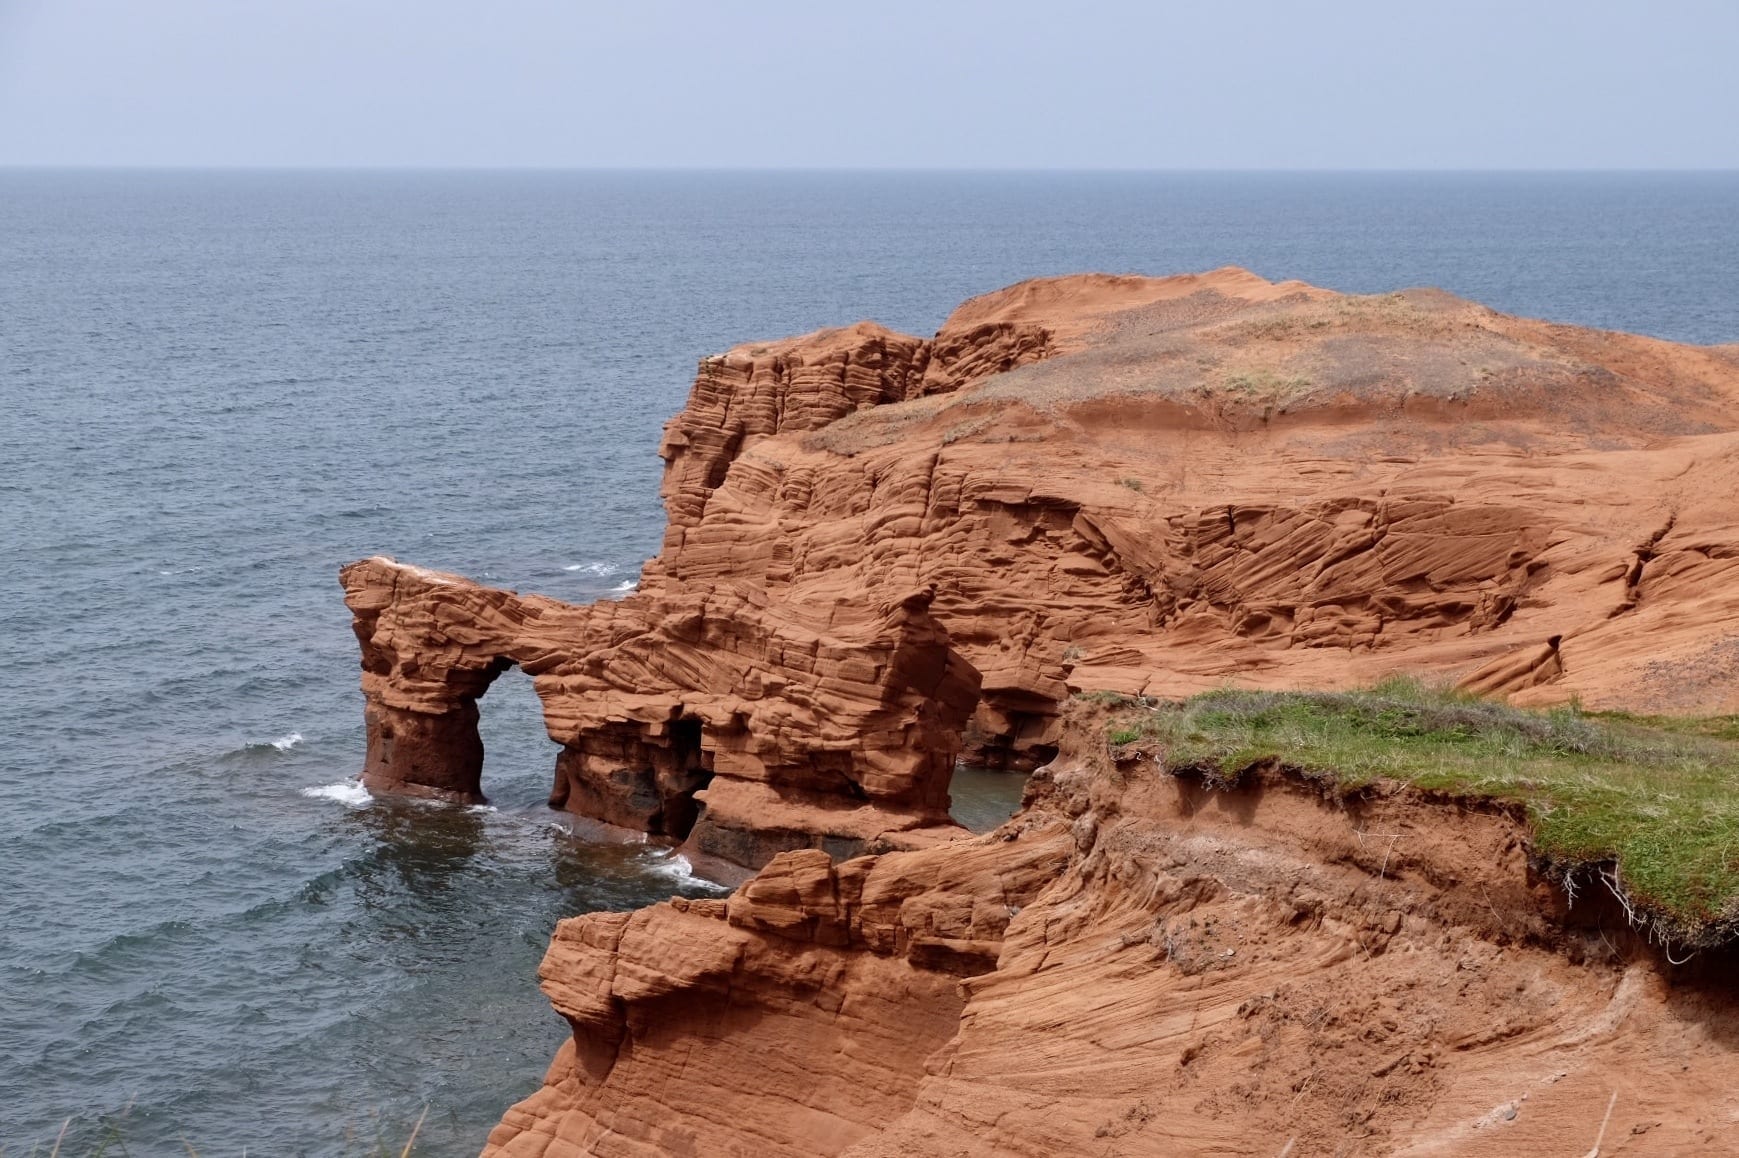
[
  {"x": 1151, "y": 485},
  {"x": 737, "y": 725},
  {"x": 1190, "y": 481},
  {"x": 882, "y": 546},
  {"x": 1139, "y": 964},
  {"x": 815, "y": 993}
]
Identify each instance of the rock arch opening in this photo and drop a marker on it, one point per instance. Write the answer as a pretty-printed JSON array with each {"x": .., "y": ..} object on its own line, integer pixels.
[
  {"x": 517, "y": 750},
  {"x": 825, "y": 727}
]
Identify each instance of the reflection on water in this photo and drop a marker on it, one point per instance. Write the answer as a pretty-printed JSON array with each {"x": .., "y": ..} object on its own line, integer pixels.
[
  {"x": 983, "y": 798},
  {"x": 422, "y": 845}
]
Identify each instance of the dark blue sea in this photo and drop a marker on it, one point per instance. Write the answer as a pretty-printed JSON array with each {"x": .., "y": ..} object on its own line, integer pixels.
[{"x": 217, "y": 387}]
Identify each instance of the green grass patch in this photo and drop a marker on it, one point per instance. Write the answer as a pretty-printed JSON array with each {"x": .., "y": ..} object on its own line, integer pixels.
[{"x": 1656, "y": 796}]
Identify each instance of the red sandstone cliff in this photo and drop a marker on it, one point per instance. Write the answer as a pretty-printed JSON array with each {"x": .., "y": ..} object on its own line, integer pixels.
[
  {"x": 881, "y": 548},
  {"x": 1137, "y": 965},
  {"x": 1196, "y": 480},
  {"x": 793, "y": 727},
  {"x": 1131, "y": 484}
]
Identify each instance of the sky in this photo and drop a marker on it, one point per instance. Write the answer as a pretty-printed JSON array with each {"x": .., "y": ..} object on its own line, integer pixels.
[{"x": 1081, "y": 84}]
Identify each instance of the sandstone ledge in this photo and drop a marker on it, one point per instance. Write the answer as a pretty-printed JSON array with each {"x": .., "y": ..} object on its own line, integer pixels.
[
  {"x": 1153, "y": 486},
  {"x": 738, "y": 725},
  {"x": 885, "y": 550},
  {"x": 1139, "y": 964}
]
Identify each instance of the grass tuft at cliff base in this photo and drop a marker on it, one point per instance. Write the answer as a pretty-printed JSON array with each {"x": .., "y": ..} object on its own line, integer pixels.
[{"x": 1657, "y": 797}]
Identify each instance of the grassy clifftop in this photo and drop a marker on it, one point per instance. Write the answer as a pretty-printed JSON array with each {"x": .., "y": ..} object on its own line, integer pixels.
[{"x": 1650, "y": 802}]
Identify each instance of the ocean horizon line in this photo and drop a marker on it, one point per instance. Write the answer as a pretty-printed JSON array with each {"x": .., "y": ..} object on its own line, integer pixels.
[{"x": 939, "y": 170}]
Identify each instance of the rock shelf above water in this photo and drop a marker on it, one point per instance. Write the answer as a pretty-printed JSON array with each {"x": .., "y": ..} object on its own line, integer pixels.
[
  {"x": 887, "y": 552},
  {"x": 1144, "y": 485}
]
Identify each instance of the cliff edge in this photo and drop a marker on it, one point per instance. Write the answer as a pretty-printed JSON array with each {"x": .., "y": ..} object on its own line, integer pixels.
[
  {"x": 1147, "y": 960},
  {"x": 885, "y": 553},
  {"x": 1144, "y": 485}
]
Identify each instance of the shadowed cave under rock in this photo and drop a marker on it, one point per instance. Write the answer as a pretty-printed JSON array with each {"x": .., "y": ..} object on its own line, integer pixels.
[{"x": 663, "y": 782}]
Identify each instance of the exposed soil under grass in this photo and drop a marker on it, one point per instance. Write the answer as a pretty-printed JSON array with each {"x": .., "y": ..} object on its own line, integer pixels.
[{"x": 1646, "y": 807}]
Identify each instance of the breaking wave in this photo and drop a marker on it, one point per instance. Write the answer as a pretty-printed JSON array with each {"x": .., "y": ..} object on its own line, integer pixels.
[
  {"x": 675, "y": 868},
  {"x": 349, "y": 792}
]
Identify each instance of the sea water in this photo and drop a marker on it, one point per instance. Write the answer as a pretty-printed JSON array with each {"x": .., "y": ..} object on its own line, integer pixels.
[{"x": 217, "y": 387}]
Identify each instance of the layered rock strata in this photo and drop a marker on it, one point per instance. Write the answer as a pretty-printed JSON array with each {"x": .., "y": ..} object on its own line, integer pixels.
[
  {"x": 1132, "y": 484},
  {"x": 1213, "y": 478},
  {"x": 814, "y": 995},
  {"x": 738, "y": 726},
  {"x": 1145, "y": 485},
  {"x": 1139, "y": 964},
  {"x": 882, "y": 547}
]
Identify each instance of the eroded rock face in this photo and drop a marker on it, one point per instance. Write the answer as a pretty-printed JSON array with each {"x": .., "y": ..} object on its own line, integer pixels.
[
  {"x": 1144, "y": 485},
  {"x": 1179, "y": 482},
  {"x": 738, "y": 725},
  {"x": 1137, "y": 964},
  {"x": 811, "y": 998},
  {"x": 881, "y": 544}
]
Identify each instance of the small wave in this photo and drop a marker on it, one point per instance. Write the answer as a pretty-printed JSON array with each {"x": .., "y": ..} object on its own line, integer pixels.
[
  {"x": 675, "y": 868},
  {"x": 599, "y": 569},
  {"x": 626, "y": 585},
  {"x": 349, "y": 792},
  {"x": 266, "y": 750},
  {"x": 125, "y": 946},
  {"x": 481, "y": 808}
]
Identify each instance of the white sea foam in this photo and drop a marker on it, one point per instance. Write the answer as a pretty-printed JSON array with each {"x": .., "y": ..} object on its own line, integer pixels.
[
  {"x": 287, "y": 741},
  {"x": 349, "y": 792},
  {"x": 626, "y": 585},
  {"x": 675, "y": 868},
  {"x": 481, "y": 808},
  {"x": 593, "y": 568}
]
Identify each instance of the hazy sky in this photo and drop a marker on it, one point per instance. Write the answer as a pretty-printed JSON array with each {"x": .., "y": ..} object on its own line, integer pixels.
[{"x": 1014, "y": 84}]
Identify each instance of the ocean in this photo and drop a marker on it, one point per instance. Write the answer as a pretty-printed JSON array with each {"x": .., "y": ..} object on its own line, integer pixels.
[{"x": 216, "y": 387}]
